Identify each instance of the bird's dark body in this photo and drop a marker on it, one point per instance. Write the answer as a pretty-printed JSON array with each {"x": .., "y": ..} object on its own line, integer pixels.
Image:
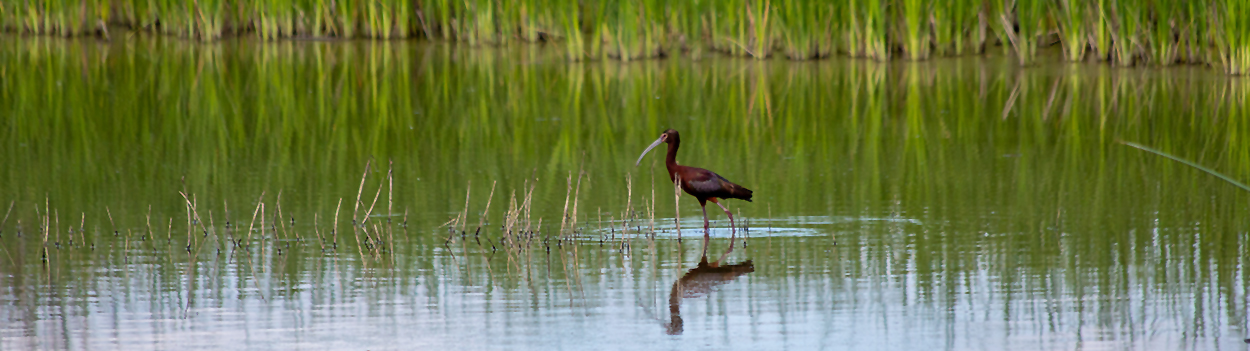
[
  {"x": 700, "y": 183},
  {"x": 704, "y": 184}
]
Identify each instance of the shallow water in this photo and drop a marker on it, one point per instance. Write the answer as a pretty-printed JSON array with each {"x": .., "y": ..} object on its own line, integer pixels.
[{"x": 953, "y": 204}]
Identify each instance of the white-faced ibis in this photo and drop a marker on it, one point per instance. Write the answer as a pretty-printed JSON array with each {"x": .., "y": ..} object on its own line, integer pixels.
[{"x": 703, "y": 184}]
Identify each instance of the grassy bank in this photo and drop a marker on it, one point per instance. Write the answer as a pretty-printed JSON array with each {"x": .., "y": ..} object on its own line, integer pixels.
[{"x": 1129, "y": 32}]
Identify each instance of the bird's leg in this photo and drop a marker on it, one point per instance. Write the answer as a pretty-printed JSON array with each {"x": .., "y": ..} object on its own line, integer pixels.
[
  {"x": 706, "y": 227},
  {"x": 706, "y": 240},
  {"x": 731, "y": 215},
  {"x": 732, "y": 230}
]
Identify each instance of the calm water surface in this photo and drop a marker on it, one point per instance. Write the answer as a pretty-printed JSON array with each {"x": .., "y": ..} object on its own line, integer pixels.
[{"x": 167, "y": 195}]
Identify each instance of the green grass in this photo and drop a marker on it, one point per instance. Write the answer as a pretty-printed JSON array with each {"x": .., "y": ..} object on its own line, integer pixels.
[
  {"x": 865, "y": 30},
  {"x": 1099, "y": 42},
  {"x": 913, "y": 29},
  {"x": 1127, "y": 34},
  {"x": 806, "y": 29},
  {"x": 1032, "y": 22},
  {"x": 954, "y": 21},
  {"x": 1072, "y": 18},
  {"x": 1123, "y": 32},
  {"x": 1233, "y": 41}
]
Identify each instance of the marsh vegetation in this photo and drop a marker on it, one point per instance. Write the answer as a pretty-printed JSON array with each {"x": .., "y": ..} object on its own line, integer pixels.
[{"x": 1125, "y": 32}]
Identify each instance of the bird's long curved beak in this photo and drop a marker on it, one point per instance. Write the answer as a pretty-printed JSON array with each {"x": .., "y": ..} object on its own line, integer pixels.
[{"x": 644, "y": 152}]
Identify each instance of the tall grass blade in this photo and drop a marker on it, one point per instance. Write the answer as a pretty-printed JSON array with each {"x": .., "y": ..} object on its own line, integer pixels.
[{"x": 1188, "y": 163}]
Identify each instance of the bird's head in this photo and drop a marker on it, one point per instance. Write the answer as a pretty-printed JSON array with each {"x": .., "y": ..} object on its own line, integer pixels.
[{"x": 669, "y": 137}]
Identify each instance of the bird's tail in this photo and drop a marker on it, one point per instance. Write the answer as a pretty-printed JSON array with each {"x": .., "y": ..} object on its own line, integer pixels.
[{"x": 738, "y": 192}]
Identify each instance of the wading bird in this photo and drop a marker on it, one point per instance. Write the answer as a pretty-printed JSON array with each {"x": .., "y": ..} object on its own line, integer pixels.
[{"x": 703, "y": 184}]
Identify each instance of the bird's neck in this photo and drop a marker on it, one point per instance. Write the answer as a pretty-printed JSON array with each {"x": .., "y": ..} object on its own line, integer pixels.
[{"x": 670, "y": 161}]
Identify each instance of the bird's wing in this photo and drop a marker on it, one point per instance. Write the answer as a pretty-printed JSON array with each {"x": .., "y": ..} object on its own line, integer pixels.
[{"x": 705, "y": 182}]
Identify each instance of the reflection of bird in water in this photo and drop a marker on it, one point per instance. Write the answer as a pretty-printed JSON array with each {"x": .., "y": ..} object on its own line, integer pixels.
[{"x": 699, "y": 281}]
